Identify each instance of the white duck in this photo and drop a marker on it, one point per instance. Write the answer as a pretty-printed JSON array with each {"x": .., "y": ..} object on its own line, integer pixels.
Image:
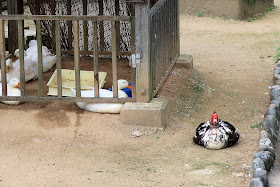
[
  {"x": 13, "y": 67},
  {"x": 48, "y": 58},
  {"x": 103, "y": 107},
  {"x": 12, "y": 90}
]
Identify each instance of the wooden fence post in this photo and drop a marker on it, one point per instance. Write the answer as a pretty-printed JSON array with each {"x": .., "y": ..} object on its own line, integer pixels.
[
  {"x": 142, "y": 45},
  {"x": 14, "y": 7}
]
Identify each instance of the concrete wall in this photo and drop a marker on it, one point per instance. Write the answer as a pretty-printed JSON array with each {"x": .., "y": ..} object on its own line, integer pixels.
[{"x": 236, "y": 9}]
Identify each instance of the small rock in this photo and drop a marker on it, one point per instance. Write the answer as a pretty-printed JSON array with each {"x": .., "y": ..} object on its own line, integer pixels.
[
  {"x": 266, "y": 156},
  {"x": 257, "y": 163},
  {"x": 256, "y": 182},
  {"x": 262, "y": 174},
  {"x": 136, "y": 133}
]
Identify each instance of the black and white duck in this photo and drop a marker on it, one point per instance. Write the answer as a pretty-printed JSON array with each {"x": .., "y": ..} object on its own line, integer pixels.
[{"x": 215, "y": 134}]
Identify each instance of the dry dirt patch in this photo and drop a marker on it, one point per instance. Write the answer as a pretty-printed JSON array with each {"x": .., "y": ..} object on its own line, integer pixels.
[{"x": 53, "y": 144}]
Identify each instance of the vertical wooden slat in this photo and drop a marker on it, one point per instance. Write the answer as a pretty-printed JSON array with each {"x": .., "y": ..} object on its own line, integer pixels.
[
  {"x": 77, "y": 58},
  {"x": 178, "y": 27},
  {"x": 85, "y": 3},
  {"x": 117, "y": 11},
  {"x": 69, "y": 24},
  {"x": 166, "y": 63},
  {"x": 101, "y": 26},
  {"x": 114, "y": 60},
  {"x": 37, "y": 7},
  {"x": 58, "y": 59},
  {"x": 12, "y": 27},
  {"x": 3, "y": 58},
  {"x": 53, "y": 5},
  {"x": 133, "y": 70},
  {"x": 40, "y": 58},
  {"x": 21, "y": 56},
  {"x": 95, "y": 60},
  {"x": 142, "y": 44}
]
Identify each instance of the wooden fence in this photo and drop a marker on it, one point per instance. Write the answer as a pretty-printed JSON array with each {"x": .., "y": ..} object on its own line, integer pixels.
[
  {"x": 164, "y": 47},
  {"x": 55, "y": 19}
]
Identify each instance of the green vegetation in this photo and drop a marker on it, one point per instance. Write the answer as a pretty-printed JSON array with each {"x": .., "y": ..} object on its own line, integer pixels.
[
  {"x": 271, "y": 8},
  {"x": 255, "y": 126},
  {"x": 258, "y": 16},
  {"x": 200, "y": 14},
  {"x": 225, "y": 18},
  {"x": 277, "y": 56}
]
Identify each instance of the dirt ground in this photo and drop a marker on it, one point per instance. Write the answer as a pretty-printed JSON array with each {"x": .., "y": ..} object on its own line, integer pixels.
[{"x": 54, "y": 144}]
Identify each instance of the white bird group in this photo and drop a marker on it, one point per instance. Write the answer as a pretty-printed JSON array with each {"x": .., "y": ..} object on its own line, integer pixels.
[
  {"x": 103, "y": 93},
  {"x": 12, "y": 90},
  {"x": 30, "y": 62}
]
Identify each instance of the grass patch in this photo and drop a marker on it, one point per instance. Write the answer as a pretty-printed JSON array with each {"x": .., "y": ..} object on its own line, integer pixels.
[
  {"x": 277, "y": 56},
  {"x": 256, "y": 125},
  {"x": 200, "y": 14},
  {"x": 271, "y": 8},
  {"x": 258, "y": 16},
  {"x": 226, "y": 18}
]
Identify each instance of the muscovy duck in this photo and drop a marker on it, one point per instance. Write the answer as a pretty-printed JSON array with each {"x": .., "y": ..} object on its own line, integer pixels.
[{"x": 216, "y": 134}]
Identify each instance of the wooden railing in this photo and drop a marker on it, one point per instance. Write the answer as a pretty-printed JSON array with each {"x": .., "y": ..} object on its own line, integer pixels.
[
  {"x": 164, "y": 30},
  {"x": 41, "y": 97}
]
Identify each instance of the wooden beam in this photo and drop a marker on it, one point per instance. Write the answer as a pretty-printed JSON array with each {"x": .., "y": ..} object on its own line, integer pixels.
[
  {"x": 77, "y": 58},
  {"x": 118, "y": 29},
  {"x": 114, "y": 60},
  {"x": 64, "y": 17},
  {"x": 3, "y": 58},
  {"x": 95, "y": 60},
  {"x": 40, "y": 58},
  {"x": 12, "y": 27},
  {"x": 66, "y": 99},
  {"x": 142, "y": 44},
  {"x": 58, "y": 59},
  {"x": 21, "y": 56},
  {"x": 101, "y": 26},
  {"x": 69, "y": 24},
  {"x": 53, "y": 5},
  {"x": 85, "y": 26}
]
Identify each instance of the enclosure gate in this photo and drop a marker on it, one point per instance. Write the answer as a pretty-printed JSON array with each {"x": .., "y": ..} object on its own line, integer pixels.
[
  {"x": 164, "y": 34},
  {"x": 55, "y": 20}
]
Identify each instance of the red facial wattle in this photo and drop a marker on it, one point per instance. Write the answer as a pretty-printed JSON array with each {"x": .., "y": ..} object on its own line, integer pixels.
[{"x": 215, "y": 118}]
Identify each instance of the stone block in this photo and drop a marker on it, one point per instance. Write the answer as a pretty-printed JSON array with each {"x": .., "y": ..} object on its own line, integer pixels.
[
  {"x": 256, "y": 182},
  {"x": 185, "y": 61},
  {"x": 153, "y": 114}
]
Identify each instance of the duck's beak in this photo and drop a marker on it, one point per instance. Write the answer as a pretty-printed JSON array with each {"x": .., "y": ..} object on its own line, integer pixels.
[
  {"x": 18, "y": 85},
  {"x": 129, "y": 86},
  {"x": 8, "y": 69}
]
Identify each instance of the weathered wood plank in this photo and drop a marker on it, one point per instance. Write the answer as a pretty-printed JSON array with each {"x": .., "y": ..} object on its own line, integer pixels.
[
  {"x": 58, "y": 59},
  {"x": 69, "y": 24},
  {"x": 3, "y": 58},
  {"x": 95, "y": 60},
  {"x": 53, "y": 5},
  {"x": 67, "y": 99},
  {"x": 133, "y": 70},
  {"x": 21, "y": 56},
  {"x": 37, "y": 7},
  {"x": 114, "y": 60},
  {"x": 12, "y": 25},
  {"x": 143, "y": 73},
  {"x": 101, "y": 26},
  {"x": 118, "y": 29},
  {"x": 40, "y": 58},
  {"x": 77, "y": 58},
  {"x": 120, "y": 53},
  {"x": 64, "y": 17},
  {"x": 85, "y": 26}
]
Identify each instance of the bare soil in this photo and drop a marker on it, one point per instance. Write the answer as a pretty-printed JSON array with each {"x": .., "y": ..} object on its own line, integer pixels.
[{"x": 54, "y": 144}]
